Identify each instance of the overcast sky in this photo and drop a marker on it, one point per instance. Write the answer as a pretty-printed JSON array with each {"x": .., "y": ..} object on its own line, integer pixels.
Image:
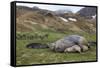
[{"x": 52, "y": 7}]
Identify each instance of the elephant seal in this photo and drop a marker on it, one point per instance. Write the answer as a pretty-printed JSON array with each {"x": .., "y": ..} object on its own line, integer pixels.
[
  {"x": 74, "y": 48},
  {"x": 70, "y": 42}
]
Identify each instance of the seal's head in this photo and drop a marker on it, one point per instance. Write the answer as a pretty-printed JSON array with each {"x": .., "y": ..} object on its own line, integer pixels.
[{"x": 52, "y": 46}]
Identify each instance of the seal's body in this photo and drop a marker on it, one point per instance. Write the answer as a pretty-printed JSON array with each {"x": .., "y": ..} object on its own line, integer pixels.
[{"x": 73, "y": 42}]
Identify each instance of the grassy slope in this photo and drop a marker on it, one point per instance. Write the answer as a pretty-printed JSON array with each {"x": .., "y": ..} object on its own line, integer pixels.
[{"x": 27, "y": 56}]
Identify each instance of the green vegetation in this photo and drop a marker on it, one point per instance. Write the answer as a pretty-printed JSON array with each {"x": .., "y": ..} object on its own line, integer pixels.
[
  {"x": 26, "y": 56},
  {"x": 45, "y": 26}
]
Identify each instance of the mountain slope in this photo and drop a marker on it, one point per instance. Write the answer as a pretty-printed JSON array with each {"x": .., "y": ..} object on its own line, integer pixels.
[{"x": 36, "y": 19}]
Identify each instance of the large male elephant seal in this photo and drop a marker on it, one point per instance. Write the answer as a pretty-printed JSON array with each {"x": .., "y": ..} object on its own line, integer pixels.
[{"x": 70, "y": 43}]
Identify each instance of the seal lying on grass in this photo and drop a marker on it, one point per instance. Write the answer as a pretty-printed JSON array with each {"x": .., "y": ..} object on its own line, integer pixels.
[
  {"x": 75, "y": 48},
  {"x": 71, "y": 43}
]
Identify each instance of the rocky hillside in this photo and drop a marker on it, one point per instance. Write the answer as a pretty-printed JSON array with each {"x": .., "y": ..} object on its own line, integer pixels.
[
  {"x": 87, "y": 12},
  {"x": 36, "y": 19}
]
